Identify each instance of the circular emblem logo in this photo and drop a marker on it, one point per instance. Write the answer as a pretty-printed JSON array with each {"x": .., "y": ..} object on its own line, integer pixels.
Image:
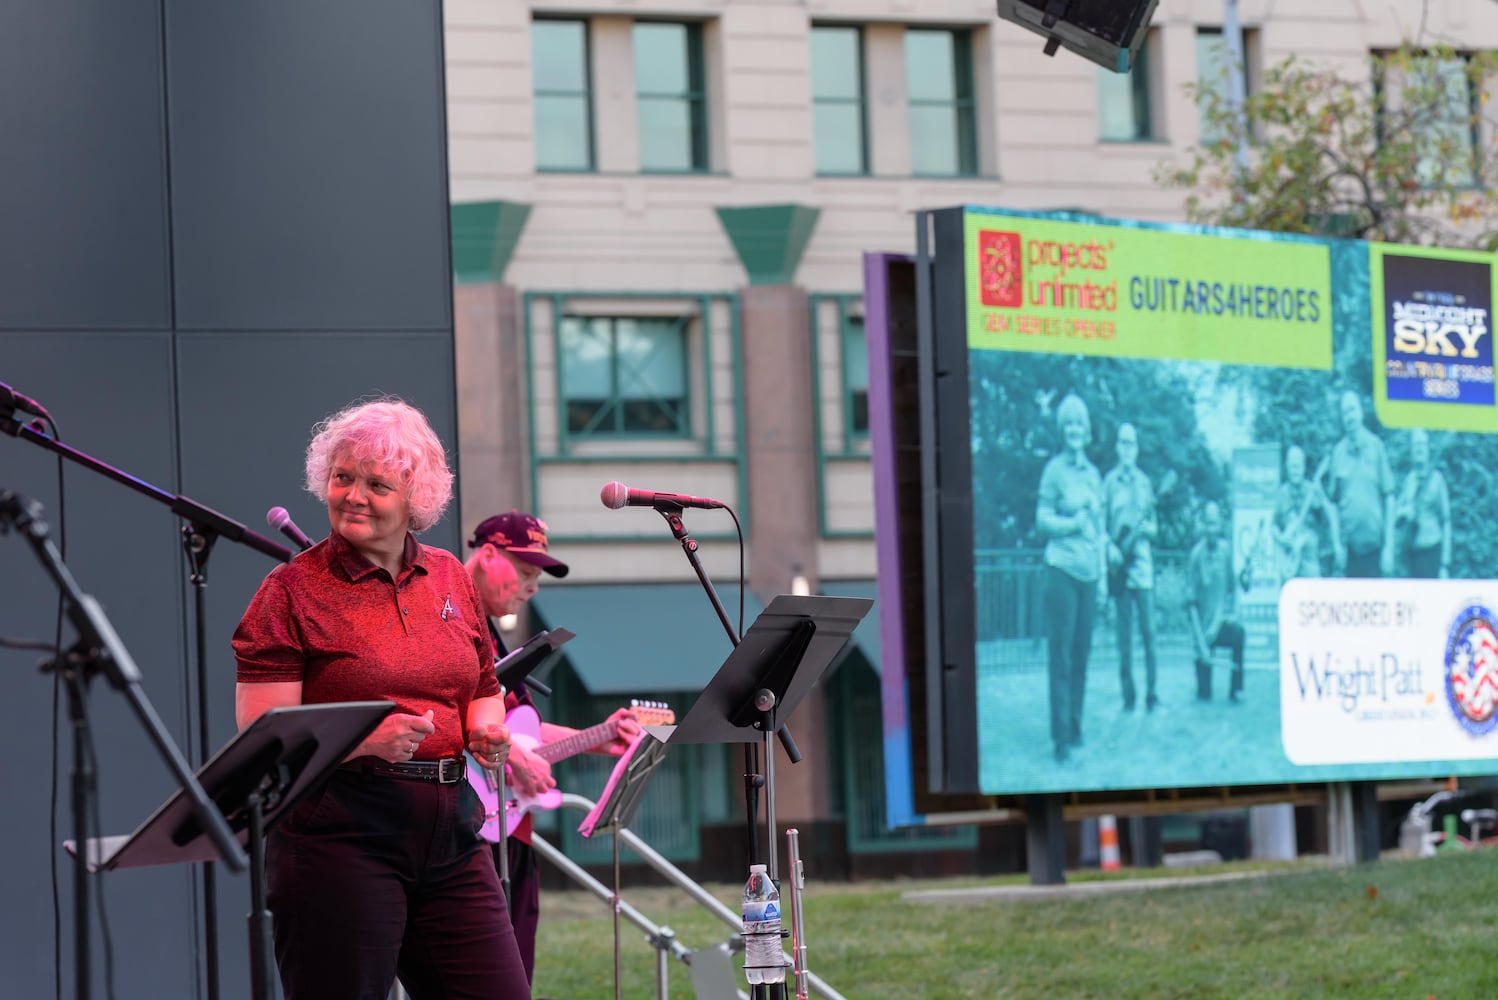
[{"x": 1472, "y": 670}]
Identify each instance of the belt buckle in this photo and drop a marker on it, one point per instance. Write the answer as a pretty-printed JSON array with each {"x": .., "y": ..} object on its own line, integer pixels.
[{"x": 444, "y": 777}]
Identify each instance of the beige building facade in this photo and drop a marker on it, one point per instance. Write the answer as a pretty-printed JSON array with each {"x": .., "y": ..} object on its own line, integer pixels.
[{"x": 660, "y": 208}]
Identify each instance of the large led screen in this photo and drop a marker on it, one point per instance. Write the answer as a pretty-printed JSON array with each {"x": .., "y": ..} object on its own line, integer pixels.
[{"x": 1233, "y": 503}]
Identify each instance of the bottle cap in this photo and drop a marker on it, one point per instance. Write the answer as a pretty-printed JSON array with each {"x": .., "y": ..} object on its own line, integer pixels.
[{"x": 757, "y": 868}]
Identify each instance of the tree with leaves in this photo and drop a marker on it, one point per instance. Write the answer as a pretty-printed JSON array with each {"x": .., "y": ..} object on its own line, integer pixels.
[{"x": 1406, "y": 155}]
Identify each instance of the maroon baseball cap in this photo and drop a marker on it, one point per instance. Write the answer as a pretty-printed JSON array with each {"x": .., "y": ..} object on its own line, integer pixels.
[{"x": 522, "y": 535}]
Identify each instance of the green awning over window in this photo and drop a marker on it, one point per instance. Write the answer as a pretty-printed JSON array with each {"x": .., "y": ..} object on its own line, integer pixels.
[
  {"x": 643, "y": 637},
  {"x": 866, "y": 634}
]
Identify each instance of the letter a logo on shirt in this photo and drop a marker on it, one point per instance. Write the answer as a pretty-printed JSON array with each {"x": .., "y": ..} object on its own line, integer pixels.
[{"x": 448, "y": 611}]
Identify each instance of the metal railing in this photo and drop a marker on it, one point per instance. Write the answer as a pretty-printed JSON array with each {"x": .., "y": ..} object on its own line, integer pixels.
[{"x": 706, "y": 964}]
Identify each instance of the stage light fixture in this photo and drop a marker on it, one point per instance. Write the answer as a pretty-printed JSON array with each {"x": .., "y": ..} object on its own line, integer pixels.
[{"x": 1108, "y": 32}]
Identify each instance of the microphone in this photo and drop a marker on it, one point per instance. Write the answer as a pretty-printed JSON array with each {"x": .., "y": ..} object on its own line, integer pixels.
[
  {"x": 13, "y": 402},
  {"x": 278, "y": 518},
  {"x": 616, "y": 495}
]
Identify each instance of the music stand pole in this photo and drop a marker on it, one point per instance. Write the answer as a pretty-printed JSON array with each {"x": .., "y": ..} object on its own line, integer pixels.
[
  {"x": 615, "y": 809},
  {"x": 504, "y": 834},
  {"x": 197, "y": 543},
  {"x": 262, "y": 949},
  {"x": 614, "y": 905},
  {"x": 75, "y": 678},
  {"x": 513, "y": 670}
]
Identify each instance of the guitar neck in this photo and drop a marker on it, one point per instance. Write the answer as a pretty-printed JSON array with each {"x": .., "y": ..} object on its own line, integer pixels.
[{"x": 578, "y": 742}]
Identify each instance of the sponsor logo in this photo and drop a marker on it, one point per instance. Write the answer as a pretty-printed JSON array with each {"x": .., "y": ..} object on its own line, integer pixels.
[
  {"x": 1472, "y": 670},
  {"x": 1438, "y": 338},
  {"x": 1001, "y": 271}
]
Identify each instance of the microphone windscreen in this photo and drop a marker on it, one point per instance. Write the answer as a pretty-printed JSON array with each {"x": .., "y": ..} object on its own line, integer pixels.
[
  {"x": 278, "y": 517},
  {"x": 614, "y": 495}
]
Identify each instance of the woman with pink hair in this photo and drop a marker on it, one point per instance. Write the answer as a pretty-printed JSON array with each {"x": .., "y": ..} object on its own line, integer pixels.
[{"x": 383, "y": 873}]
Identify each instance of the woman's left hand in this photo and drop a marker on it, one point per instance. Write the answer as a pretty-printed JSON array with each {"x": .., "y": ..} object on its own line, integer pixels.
[{"x": 490, "y": 745}]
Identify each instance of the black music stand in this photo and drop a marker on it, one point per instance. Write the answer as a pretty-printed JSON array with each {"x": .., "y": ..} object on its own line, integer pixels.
[
  {"x": 253, "y": 779},
  {"x": 616, "y": 807},
  {"x": 787, "y": 649},
  {"x": 515, "y": 668}
]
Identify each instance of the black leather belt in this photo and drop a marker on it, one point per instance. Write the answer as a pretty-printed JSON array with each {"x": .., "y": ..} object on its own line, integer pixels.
[{"x": 446, "y": 771}]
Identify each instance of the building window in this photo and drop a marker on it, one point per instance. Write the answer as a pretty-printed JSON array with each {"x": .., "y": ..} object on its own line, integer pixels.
[
  {"x": 939, "y": 87},
  {"x": 1436, "y": 110},
  {"x": 856, "y": 376},
  {"x": 837, "y": 97},
  {"x": 1124, "y": 102},
  {"x": 624, "y": 376},
  {"x": 563, "y": 94},
  {"x": 1214, "y": 69},
  {"x": 672, "y": 97}
]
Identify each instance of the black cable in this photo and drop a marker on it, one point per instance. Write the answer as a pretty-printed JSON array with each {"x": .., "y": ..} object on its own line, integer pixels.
[
  {"x": 96, "y": 823},
  {"x": 52, "y": 852},
  {"x": 743, "y": 579}
]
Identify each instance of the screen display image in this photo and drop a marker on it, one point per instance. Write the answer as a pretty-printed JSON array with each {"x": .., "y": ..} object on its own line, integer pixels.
[{"x": 1232, "y": 497}]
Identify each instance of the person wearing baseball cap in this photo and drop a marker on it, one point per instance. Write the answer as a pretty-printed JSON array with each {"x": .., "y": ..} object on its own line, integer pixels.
[
  {"x": 510, "y": 553},
  {"x": 522, "y": 536}
]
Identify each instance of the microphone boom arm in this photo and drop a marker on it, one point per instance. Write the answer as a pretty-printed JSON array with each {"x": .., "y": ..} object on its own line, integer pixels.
[{"x": 205, "y": 519}]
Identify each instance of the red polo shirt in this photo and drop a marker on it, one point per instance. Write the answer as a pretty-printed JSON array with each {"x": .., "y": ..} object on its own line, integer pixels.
[{"x": 340, "y": 625}]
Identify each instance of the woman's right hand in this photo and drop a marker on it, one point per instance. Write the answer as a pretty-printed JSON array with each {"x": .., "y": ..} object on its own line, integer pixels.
[{"x": 398, "y": 737}]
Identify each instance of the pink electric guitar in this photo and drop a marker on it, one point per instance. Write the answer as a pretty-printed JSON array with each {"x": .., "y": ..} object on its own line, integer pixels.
[{"x": 525, "y": 731}]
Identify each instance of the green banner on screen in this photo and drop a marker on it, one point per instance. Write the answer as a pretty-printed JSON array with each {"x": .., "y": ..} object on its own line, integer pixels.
[{"x": 1120, "y": 291}]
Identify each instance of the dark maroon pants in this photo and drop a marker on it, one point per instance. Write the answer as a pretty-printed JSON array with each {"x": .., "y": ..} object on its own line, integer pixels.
[
  {"x": 379, "y": 876},
  {"x": 525, "y": 899}
]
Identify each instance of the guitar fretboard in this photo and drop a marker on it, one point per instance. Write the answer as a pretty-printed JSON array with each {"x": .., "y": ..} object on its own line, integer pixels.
[{"x": 578, "y": 742}]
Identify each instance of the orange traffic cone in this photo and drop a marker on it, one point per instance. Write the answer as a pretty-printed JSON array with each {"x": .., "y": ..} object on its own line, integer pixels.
[{"x": 1107, "y": 835}]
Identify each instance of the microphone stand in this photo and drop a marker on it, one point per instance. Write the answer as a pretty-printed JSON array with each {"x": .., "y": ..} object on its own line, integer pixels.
[
  {"x": 204, "y": 526},
  {"x": 99, "y": 650},
  {"x": 753, "y": 779}
]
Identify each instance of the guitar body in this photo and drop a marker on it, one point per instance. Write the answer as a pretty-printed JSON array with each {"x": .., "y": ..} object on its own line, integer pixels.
[
  {"x": 1127, "y": 536},
  {"x": 524, "y": 723},
  {"x": 525, "y": 731}
]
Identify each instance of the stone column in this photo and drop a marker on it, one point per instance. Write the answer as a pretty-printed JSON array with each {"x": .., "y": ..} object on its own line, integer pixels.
[
  {"x": 488, "y": 355},
  {"x": 779, "y": 393}
]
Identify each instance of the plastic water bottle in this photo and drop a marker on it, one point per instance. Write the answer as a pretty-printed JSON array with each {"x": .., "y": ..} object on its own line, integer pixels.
[{"x": 764, "y": 955}]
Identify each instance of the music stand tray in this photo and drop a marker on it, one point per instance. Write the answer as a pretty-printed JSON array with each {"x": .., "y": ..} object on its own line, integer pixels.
[
  {"x": 620, "y": 798},
  {"x": 294, "y": 747},
  {"x": 515, "y": 666},
  {"x": 785, "y": 651}
]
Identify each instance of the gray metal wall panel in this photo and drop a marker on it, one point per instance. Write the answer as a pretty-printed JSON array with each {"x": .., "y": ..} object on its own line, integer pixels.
[
  {"x": 243, "y": 439},
  {"x": 111, "y": 392},
  {"x": 83, "y": 241},
  {"x": 308, "y": 164},
  {"x": 314, "y": 200}
]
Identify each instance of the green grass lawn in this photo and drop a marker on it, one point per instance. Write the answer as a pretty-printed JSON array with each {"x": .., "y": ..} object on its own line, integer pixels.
[{"x": 1398, "y": 928}]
